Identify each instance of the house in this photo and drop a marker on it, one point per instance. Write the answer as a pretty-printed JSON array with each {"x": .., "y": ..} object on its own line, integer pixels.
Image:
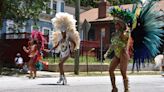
[
  {"x": 44, "y": 24},
  {"x": 13, "y": 38},
  {"x": 102, "y": 23}
]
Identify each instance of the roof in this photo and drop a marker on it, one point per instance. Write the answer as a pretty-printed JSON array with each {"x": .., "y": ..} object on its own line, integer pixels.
[
  {"x": 71, "y": 10},
  {"x": 89, "y": 15},
  {"x": 92, "y": 14}
]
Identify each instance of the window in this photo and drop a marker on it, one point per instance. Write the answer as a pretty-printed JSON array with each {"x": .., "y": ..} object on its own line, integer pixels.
[
  {"x": 13, "y": 31},
  {"x": 33, "y": 27},
  {"x": 91, "y": 34},
  {"x": 54, "y": 7},
  {"x": 46, "y": 31},
  {"x": 9, "y": 26},
  {"x": 62, "y": 6}
]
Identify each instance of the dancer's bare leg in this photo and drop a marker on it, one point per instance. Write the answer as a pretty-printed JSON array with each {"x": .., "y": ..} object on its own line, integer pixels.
[
  {"x": 34, "y": 70},
  {"x": 124, "y": 58},
  {"x": 61, "y": 63},
  {"x": 30, "y": 68},
  {"x": 112, "y": 67},
  {"x": 61, "y": 70}
]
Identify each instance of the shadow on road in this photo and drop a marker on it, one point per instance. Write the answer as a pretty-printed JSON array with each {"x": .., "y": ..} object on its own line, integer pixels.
[{"x": 53, "y": 84}]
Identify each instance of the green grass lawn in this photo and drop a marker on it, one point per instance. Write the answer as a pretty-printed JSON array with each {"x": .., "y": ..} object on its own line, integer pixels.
[{"x": 82, "y": 59}]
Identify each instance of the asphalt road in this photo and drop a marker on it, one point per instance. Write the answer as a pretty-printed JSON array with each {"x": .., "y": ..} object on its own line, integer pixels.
[{"x": 138, "y": 83}]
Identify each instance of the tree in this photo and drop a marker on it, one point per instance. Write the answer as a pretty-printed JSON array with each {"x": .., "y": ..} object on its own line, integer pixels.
[
  {"x": 84, "y": 3},
  {"x": 22, "y": 10},
  {"x": 119, "y": 2},
  {"x": 93, "y": 3}
]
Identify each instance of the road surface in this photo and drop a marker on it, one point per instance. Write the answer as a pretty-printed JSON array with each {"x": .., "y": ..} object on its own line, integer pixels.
[{"x": 138, "y": 83}]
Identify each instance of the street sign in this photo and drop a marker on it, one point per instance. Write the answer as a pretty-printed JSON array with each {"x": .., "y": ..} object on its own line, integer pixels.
[{"x": 86, "y": 26}]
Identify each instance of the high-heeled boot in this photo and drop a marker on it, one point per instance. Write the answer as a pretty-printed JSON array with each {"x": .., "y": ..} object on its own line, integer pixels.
[
  {"x": 62, "y": 80},
  {"x": 113, "y": 84},
  {"x": 126, "y": 85}
]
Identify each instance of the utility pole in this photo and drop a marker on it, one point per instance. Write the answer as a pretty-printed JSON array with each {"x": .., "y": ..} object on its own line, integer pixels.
[{"x": 77, "y": 15}]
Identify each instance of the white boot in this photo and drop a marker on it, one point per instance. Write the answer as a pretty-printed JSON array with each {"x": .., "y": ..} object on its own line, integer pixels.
[{"x": 62, "y": 80}]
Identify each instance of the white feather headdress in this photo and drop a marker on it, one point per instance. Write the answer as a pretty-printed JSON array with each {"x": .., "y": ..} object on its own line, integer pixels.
[{"x": 65, "y": 22}]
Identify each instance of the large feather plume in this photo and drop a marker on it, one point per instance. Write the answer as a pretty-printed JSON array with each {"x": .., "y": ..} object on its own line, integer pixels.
[
  {"x": 121, "y": 13},
  {"x": 38, "y": 36},
  {"x": 65, "y": 21},
  {"x": 148, "y": 33}
]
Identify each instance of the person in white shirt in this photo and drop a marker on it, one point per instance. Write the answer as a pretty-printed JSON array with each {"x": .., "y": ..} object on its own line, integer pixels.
[{"x": 19, "y": 61}]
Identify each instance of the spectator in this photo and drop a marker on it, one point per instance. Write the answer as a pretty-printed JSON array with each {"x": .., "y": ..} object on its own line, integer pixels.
[{"x": 19, "y": 61}]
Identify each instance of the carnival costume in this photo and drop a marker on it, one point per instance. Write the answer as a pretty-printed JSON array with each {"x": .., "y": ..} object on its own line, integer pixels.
[
  {"x": 35, "y": 46},
  {"x": 37, "y": 36},
  {"x": 65, "y": 23},
  {"x": 145, "y": 35}
]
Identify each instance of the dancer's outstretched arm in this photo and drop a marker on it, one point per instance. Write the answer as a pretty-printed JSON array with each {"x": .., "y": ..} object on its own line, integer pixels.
[
  {"x": 108, "y": 51},
  {"x": 25, "y": 49},
  {"x": 47, "y": 50}
]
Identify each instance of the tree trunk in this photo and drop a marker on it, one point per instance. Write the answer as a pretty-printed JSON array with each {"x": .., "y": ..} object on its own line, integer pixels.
[{"x": 77, "y": 15}]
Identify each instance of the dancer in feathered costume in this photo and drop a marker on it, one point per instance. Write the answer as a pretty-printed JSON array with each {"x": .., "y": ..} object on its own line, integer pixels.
[
  {"x": 144, "y": 38},
  {"x": 35, "y": 46},
  {"x": 66, "y": 38}
]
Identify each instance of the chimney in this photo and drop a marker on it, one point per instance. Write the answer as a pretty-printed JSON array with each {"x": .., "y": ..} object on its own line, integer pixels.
[{"x": 102, "y": 9}]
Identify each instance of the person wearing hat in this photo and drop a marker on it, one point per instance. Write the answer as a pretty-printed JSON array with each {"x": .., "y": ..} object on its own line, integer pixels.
[{"x": 19, "y": 61}]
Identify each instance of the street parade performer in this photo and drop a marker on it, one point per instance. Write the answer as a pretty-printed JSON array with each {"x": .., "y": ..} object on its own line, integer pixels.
[
  {"x": 140, "y": 37},
  {"x": 66, "y": 39},
  {"x": 35, "y": 46}
]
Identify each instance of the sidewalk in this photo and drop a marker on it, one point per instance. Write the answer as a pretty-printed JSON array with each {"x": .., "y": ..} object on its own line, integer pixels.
[{"x": 46, "y": 74}]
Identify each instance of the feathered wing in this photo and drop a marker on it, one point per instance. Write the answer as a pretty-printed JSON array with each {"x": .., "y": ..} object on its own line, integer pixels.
[
  {"x": 76, "y": 38},
  {"x": 56, "y": 37},
  {"x": 147, "y": 34}
]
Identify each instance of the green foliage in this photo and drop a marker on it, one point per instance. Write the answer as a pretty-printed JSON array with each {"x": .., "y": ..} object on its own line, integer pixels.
[
  {"x": 93, "y": 3},
  {"x": 22, "y": 10},
  {"x": 84, "y": 3},
  {"x": 119, "y": 2}
]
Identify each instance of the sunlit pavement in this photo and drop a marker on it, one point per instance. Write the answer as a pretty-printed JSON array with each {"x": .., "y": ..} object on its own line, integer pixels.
[{"x": 138, "y": 83}]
